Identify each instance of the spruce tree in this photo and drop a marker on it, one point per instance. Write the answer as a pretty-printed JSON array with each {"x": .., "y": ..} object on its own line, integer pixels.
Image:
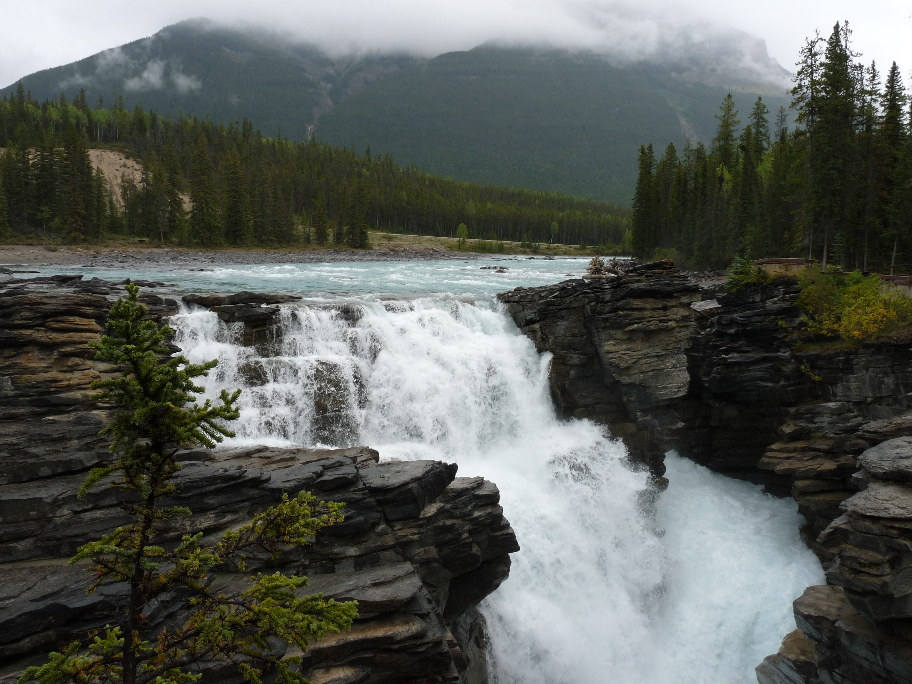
[
  {"x": 834, "y": 138},
  {"x": 320, "y": 221},
  {"x": 76, "y": 213},
  {"x": 759, "y": 122},
  {"x": 238, "y": 220},
  {"x": 205, "y": 223},
  {"x": 645, "y": 219},
  {"x": 5, "y": 230},
  {"x": 724, "y": 144}
]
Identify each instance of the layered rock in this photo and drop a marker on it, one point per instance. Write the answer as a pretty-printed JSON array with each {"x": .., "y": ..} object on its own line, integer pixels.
[
  {"x": 48, "y": 423},
  {"x": 418, "y": 549},
  {"x": 721, "y": 378},
  {"x": 619, "y": 351},
  {"x": 834, "y": 643}
]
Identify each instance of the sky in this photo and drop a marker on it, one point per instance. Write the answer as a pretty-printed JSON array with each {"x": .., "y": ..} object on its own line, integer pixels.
[{"x": 39, "y": 34}]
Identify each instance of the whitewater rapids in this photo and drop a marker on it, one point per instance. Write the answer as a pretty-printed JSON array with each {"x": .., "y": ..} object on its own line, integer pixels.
[{"x": 601, "y": 592}]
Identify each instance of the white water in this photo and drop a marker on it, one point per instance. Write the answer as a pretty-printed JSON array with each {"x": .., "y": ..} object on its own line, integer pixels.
[{"x": 598, "y": 594}]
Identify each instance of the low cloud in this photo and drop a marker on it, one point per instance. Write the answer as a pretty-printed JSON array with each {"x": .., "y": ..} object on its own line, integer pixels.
[
  {"x": 152, "y": 78},
  {"x": 185, "y": 83},
  {"x": 620, "y": 29}
]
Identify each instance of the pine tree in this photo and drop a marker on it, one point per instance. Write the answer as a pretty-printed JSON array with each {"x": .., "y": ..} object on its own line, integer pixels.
[
  {"x": 205, "y": 222},
  {"x": 238, "y": 221},
  {"x": 724, "y": 144},
  {"x": 834, "y": 138},
  {"x": 320, "y": 221},
  {"x": 76, "y": 216},
  {"x": 156, "y": 413},
  {"x": 645, "y": 219},
  {"x": 47, "y": 181},
  {"x": 759, "y": 122},
  {"x": 5, "y": 230}
]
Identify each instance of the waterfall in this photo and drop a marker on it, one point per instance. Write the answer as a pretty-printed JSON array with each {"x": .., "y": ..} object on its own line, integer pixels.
[{"x": 601, "y": 591}]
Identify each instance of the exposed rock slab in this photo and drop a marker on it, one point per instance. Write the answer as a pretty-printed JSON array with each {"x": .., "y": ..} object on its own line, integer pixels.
[{"x": 837, "y": 644}]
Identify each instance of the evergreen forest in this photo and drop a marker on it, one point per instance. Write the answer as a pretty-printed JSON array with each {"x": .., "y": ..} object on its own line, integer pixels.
[
  {"x": 210, "y": 185},
  {"x": 836, "y": 187}
]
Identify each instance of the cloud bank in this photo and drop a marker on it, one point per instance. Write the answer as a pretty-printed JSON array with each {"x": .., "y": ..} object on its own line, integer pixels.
[{"x": 45, "y": 33}]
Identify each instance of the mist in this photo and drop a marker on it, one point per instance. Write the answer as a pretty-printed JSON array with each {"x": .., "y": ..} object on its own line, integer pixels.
[{"x": 46, "y": 33}]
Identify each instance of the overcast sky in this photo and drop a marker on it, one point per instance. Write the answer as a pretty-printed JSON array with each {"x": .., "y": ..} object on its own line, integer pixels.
[{"x": 38, "y": 34}]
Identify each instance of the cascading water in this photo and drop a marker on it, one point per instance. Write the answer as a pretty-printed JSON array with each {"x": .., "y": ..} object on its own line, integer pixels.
[{"x": 599, "y": 592}]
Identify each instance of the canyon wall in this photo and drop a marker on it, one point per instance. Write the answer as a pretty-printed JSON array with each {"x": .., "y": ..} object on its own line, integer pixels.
[{"x": 724, "y": 379}]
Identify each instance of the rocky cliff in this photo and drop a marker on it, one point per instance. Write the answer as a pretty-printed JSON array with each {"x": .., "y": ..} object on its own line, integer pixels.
[
  {"x": 419, "y": 547},
  {"x": 724, "y": 380}
]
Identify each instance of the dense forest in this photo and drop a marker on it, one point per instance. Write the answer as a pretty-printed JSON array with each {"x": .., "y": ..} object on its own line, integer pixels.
[
  {"x": 837, "y": 187},
  {"x": 206, "y": 184}
]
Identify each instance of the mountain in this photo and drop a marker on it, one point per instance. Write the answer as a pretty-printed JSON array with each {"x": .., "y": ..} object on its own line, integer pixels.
[
  {"x": 546, "y": 119},
  {"x": 553, "y": 120}
]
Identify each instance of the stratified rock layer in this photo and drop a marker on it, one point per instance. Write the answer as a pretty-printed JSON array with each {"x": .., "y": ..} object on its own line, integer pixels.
[{"x": 418, "y": 549}]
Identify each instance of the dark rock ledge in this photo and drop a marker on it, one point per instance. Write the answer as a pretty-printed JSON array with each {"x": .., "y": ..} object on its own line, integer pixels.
[
  {"x": 717, "y": 377},
  {"x": 419, "y": 547}
]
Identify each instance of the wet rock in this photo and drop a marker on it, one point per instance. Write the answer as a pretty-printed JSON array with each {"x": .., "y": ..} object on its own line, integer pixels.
[
  {"x": 889, "y": 460},
  {"x": 837, "y": 644},
  {"x": 209, "y": 301},
  {"x": 417, "y": 549},
  {"x": 619, "y": 349}
]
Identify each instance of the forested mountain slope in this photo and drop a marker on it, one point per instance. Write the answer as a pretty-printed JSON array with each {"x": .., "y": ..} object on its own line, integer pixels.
[
  {"x": 204, "y": 184},
  {"x": 541, "y": 119},
  {"x": 555, "y": 120}
]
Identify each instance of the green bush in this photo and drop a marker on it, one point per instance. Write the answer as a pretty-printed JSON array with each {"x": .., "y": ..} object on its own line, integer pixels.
[
  {"x": 853, "y": 306},
  {"x": 743, "y": 272}
]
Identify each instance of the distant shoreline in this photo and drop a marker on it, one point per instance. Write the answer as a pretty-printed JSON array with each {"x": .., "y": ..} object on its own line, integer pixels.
[{"x": 12, "y": 256}]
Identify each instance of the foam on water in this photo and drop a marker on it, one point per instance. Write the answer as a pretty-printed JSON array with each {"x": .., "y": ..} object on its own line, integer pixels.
[{"x": 598, "y": 592}]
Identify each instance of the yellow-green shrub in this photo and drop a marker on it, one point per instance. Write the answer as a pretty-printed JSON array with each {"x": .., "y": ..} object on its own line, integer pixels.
[{"x": 853, "y": 306}]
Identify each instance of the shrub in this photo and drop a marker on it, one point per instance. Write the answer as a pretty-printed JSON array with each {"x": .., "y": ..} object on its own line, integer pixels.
[
  {"x": 743, "y": 272},
  {"x": 853, "y": 306}
]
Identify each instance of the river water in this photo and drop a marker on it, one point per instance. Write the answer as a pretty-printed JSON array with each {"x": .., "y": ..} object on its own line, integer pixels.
[{"x": 423, "y": 363}]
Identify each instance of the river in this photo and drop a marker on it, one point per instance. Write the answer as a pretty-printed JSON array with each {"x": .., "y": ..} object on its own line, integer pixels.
[{"x": 423, "y": 363}]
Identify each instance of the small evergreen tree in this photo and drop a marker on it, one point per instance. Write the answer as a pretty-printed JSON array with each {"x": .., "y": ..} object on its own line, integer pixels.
[{"x": 156, "y": 414}]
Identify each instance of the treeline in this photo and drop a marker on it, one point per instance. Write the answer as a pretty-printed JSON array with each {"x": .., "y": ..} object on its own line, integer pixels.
[
  {"x": 211, "y": 184},
  {"x": 837, "y": 187}
]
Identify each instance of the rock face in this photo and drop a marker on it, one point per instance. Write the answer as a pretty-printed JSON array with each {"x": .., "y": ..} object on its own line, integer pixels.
[
  {"x": 619, "y": 348},
  {"x": 836, "y": 644},
  {"x": 719, "y": 377},
  {"x": 723, "y": 379},
  {"x": 418, "y": 549}
]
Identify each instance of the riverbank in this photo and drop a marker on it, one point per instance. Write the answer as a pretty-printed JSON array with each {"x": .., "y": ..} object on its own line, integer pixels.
[{"x": 12, "y": 256}]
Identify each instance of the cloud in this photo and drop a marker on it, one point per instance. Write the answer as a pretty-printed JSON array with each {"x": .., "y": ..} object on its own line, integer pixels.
[
  {"x": 621, "y": 29},
  {"x": 152, "y": 78},
  {"x": 184, "y": 83}
]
